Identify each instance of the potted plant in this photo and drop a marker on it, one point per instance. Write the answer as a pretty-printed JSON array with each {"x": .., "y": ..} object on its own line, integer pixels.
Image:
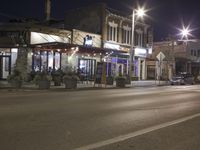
[
  {"x": 43, "y": 80},
  {"x": 70, "y": 80},
  {"x": 120, "y": 81},
  {"x": 128, "y": 79},
  {"x": 15, "y": 79},
  {"x": 109, "y": 80},
  {"x": 57, "y": 77}
]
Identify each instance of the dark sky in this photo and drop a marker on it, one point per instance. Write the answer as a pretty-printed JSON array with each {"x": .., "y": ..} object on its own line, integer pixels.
[{"x": 165, "y": 15}]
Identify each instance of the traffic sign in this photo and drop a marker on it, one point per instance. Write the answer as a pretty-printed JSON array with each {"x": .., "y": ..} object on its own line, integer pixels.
[{"x": 160, "y": 56}]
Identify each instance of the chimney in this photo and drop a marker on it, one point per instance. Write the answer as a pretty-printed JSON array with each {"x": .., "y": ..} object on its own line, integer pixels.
[{"x": 47, "y": 10}]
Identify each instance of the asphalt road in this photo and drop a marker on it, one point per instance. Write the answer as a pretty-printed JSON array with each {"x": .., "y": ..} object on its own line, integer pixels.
[{"x": 50, "y": 120}]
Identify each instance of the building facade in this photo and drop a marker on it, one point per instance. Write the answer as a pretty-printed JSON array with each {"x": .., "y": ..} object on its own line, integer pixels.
[
  {"x": 29, "y": 47},
  {"x": 115, "y": 29},
  {"x": 91, "y": 35},
  {"x": 179, "y": 57}
]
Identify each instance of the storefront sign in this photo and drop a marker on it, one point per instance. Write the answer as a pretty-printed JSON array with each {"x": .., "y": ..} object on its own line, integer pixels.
[
  {"x": 39, "y": 38},
  {"x": 88, "y": 40},
  {"x": 111, "y": 46},
  {"x": 141, "y": 52}
]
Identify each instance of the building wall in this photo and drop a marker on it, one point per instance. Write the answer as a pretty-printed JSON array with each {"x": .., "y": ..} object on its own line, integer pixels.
[
  {"x": 88, "y": 19},
  {"x": 180, "y": 56},
  {"x": 86, "y": 38}
]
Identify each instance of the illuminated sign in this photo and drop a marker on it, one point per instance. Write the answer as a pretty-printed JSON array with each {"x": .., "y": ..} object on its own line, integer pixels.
[
  {"x": 38, "y": 38},
  {"x": 140, "y": 52},
  {"x": 88, "y": 40},
  {"x": 111, "y": 46}
]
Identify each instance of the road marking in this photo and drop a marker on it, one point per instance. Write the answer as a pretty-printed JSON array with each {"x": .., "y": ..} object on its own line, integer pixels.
[{"x": 136, "y": 133}]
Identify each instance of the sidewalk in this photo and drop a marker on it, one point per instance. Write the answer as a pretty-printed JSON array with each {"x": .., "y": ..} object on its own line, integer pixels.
[{"x": 88, "y": 85}]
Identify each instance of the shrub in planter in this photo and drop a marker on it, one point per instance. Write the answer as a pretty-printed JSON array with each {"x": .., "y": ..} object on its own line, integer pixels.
[
  {"x": 70, "y": 81},
  {"x": 57, "y": 77},
  {"x": 43, "y": 80},
  {"x": 128, "y": 80},
  {"x": 109, "y": 80},
  {"x": 120, "y": 81},
  {"x": 15, "y": 79}
]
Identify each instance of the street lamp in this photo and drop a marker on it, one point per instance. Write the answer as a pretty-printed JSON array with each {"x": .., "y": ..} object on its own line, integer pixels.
[
  {"x": 140, "y": 13},
  {"x": 185, "y": 32}
]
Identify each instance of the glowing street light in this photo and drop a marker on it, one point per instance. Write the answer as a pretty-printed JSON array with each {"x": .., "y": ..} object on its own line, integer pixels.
[
  {"x": 140, "y": 12},
  {"x": 185, "y": 32}
]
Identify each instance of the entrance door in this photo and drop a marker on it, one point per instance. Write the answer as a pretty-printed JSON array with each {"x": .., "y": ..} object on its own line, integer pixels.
[
  {"x": 87, "y": 69},
  {"x": 5, "y": 66}
]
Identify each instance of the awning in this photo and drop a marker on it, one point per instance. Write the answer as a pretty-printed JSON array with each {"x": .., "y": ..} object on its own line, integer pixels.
[{"x": 67, "y": 47}]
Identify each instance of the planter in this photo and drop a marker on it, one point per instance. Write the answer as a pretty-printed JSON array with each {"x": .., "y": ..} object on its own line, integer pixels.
[
  {"x": 57, "y": 83},
  {"x": 120, "y": 82},
  {"x": 70, "y": 83},
  {"x": 16, "y": 84},
  {"x": 44, "y": 84},
  {"x": 109, "y": 80},
  {"x": 57, "y": 78}
]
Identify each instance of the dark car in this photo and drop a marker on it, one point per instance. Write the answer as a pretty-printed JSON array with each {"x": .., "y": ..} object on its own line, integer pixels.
[{"x": 182, "y": 79}]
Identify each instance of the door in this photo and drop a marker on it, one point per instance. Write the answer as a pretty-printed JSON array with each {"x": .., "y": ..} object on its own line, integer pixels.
[
  {"x": 87, "y": 69},
  {"x": 5, "y": 66}
]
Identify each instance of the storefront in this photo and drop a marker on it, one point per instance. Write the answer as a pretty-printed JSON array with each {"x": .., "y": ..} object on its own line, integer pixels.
[
  {"x": 46, "y": 60},
  {"x": 87, "y": 68},
  {"x": 8, "y": 57},
  {"x": 54, "y": 56}
]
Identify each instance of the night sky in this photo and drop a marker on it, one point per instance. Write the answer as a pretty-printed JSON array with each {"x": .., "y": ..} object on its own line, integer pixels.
[{"x": 165, "y": 15}]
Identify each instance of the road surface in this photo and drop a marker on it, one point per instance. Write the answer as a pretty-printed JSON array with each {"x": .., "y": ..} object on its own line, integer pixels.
[{"x": 100, "y": 119}]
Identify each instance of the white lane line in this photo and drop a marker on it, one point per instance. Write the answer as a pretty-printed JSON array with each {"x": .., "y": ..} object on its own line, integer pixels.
[{"x": 136, "y": 133}]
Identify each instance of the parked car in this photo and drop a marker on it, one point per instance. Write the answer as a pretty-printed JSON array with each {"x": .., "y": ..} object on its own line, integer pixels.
[{"x": 182, "y": 79}]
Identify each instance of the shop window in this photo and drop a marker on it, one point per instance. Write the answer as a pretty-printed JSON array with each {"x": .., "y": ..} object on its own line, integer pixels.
[
  {"x": 50, "y": 60},
  {"x": 46, "y": 60},
  {"x": 57, "y": 60},
  {"x": 14, "y": 52},
  {"x": 43, "y": 60},
  {"x": 36, "y": 61}
]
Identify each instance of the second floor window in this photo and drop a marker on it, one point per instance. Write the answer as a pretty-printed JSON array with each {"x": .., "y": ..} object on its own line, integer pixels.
[
  {"x": 139, "y": 38},
  {"x": 112, "y": 31},
  {"x": 126, "y": 35}
]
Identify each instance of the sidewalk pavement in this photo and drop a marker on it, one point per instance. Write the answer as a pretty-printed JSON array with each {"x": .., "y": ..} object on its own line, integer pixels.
[{"x": 89, "y": 85}]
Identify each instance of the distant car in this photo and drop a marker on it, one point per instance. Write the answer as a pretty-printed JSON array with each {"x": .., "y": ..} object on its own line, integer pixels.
[{"x": 182, "y": 79}]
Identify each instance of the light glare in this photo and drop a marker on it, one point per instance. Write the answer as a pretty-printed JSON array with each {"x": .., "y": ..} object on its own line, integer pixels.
[{"x": 140, "y": 12}]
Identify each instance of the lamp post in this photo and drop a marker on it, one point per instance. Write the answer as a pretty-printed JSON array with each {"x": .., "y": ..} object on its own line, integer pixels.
[
  {"x": 140, "y": 13},
  {"x": 185, "y": 32}
]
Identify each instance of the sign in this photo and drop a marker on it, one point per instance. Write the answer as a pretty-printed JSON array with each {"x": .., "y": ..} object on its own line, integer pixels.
[
  {"x": 160, "y": 56},
  {"x": 88, "y": 40},
  {"x": 141, "y": 52},
  {"x": 39, "y": 38}
]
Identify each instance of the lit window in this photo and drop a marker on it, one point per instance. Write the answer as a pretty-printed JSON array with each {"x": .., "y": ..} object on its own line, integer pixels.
[
  {"x": 126, "y": 35},
  {"x": 112, "y": 31},
  {"x": 139, "y": 37}
]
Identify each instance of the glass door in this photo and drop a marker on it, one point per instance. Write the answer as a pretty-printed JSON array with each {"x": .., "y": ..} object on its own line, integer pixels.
[
  {"x": 5, "y": 66},
  {"x": 87, "y": 69}
]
